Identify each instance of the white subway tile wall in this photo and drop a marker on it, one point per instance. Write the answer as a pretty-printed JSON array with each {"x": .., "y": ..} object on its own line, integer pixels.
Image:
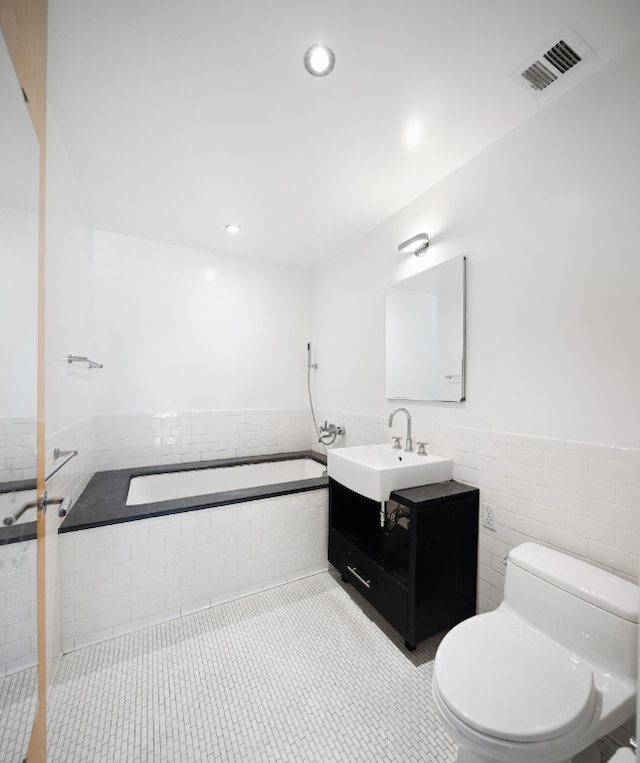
[
  {"x": 73, "y": 477},
  {"x": 582, "y": 498},
  {"x": 149, "y": 439},
  {"x": 18, "y": 622},
  {"x": 17, "y": 448},
  {"x": 18, "y": 607},
  {"x": 122, "y": 578},
  {"x": 70, "y": 481}
]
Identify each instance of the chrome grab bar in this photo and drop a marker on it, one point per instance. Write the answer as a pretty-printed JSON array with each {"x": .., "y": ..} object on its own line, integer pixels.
[
  {"x": 364, "y": 582},
  {"x": 13, "y": 518},
  {"x": 83, "y": 359},
  {"x": 65, "y": 505},
  {"x": 66, "y": 455}
]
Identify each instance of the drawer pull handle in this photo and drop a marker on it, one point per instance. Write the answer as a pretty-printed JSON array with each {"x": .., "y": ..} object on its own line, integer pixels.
[{"x": 364, "y": 582}]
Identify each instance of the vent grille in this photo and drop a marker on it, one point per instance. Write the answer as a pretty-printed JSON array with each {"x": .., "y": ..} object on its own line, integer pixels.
[
  {"x": 552, "y": 62},
  {"x": 538, "y": 76},
  {"x": 562, "y": 56}
]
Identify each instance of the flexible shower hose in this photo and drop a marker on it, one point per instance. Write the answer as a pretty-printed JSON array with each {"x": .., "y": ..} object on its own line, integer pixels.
[{"x": 326, "y": 438}]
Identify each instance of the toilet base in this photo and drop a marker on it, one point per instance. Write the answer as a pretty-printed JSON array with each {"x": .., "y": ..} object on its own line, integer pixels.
[{"x": 590, "y": 755}]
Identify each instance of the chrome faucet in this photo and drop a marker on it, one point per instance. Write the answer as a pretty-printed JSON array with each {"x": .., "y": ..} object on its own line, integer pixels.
[{"x": 409, "y": 442}]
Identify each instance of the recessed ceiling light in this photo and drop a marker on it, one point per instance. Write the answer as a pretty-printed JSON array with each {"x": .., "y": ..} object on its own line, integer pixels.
[
  {"x": 319, "y": 60},
  {"x": 232, "y": 228}
]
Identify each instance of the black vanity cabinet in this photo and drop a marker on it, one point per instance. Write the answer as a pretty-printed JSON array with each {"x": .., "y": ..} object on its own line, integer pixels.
[{"x": 422, "y": 577}]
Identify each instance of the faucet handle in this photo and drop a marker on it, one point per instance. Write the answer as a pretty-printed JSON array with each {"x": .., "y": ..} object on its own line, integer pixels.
[
  {"x": 421, "y": 450},
  {"x": 396, "y": 443}
]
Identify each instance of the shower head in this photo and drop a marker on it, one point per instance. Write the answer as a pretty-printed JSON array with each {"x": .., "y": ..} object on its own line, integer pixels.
[{"x": 309, "y": 363}]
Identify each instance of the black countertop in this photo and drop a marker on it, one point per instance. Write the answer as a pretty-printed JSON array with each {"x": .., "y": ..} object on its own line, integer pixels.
[
  {"x": 418, "y": 497},
  {"x": 18, "y": 532}
]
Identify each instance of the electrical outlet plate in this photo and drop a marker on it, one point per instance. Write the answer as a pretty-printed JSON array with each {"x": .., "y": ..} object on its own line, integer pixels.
[{"x": 489, "y": 516}]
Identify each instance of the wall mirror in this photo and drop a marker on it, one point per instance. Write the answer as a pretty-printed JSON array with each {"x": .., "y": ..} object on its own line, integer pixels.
[
  {"x": 425, "y": 334},
  {"x": 19, "y": 187}
]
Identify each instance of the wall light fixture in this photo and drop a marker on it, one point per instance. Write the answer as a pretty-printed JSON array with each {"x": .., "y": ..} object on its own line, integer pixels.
[{"x": 417, "y": 245}]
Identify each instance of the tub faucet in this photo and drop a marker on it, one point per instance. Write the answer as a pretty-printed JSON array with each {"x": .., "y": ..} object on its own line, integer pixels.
[{"x": 409, "y": 442}]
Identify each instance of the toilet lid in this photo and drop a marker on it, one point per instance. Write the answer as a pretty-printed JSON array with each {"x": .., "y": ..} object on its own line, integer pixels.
[{"x": 508, "y": 681}]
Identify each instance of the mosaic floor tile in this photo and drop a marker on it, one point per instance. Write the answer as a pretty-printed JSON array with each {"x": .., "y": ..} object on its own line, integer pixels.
[
  {"x": 18, "y": 705},
  {"x": 305, "y": 673},
  {"x": 297, "y": 673}
]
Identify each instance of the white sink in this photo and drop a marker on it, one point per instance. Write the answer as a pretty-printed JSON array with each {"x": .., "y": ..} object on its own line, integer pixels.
[{"x": 376, "y": 470}]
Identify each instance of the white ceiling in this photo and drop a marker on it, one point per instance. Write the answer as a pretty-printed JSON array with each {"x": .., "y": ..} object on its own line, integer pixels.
[{"x": 180, "y": 117}]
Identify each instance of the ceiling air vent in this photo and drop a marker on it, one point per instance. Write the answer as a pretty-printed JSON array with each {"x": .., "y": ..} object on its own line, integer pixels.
[{"x": 552, "y": 62}]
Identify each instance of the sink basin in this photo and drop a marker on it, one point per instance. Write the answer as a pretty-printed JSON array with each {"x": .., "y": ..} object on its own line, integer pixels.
[{"x": 376, "y": 470}]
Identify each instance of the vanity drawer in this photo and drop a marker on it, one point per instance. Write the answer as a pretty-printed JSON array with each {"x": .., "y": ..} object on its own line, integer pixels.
[{"x": 384, "y": 591}]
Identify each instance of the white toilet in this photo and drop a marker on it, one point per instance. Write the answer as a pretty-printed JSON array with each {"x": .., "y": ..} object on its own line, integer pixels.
[{"x": 548, "y": 673}]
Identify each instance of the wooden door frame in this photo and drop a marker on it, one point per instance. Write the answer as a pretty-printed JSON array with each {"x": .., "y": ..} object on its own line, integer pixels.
[{"x": 24, "y": 25}]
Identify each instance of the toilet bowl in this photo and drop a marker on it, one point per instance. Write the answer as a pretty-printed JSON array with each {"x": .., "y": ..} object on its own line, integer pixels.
[
  {"x": 549, "y": 672},
  {"x": 624, "y": 755}
]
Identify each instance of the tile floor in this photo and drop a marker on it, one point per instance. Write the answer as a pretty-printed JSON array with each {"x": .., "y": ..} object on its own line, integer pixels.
[
  {"x": 304, "y": 672},
  {"x": 18, "y": 704}
]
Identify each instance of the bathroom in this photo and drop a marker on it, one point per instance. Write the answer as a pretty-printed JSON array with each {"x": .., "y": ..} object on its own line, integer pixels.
[{"x": 544, "y": 213}]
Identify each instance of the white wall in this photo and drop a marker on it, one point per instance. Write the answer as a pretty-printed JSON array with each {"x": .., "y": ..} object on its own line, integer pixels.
[
  {"x": 69, "y": 289},
  {"x": 18, "y": 339},
  {"x": 547, "y": 218},
  {"x": 549, "y": 431},
  {"x": 18, "y": 312},
  {"x": 184, "y": 330}
]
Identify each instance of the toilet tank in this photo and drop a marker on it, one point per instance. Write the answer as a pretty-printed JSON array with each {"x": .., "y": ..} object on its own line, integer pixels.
[{"x": 591, "y": 612}]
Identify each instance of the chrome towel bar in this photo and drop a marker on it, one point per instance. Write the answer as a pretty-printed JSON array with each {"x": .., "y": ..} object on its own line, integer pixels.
[
  {"x": 83, "y": 359},
  {"x": 66, "y": 455}
]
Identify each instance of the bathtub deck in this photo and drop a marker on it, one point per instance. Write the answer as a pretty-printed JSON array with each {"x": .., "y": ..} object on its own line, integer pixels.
[{"x": 103, "y": 501}]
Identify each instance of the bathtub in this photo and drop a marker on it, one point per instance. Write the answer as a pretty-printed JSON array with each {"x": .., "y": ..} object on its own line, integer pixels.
[
  {"x": 168, "y": 486},
  {"x": 127, "y": 495}
]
